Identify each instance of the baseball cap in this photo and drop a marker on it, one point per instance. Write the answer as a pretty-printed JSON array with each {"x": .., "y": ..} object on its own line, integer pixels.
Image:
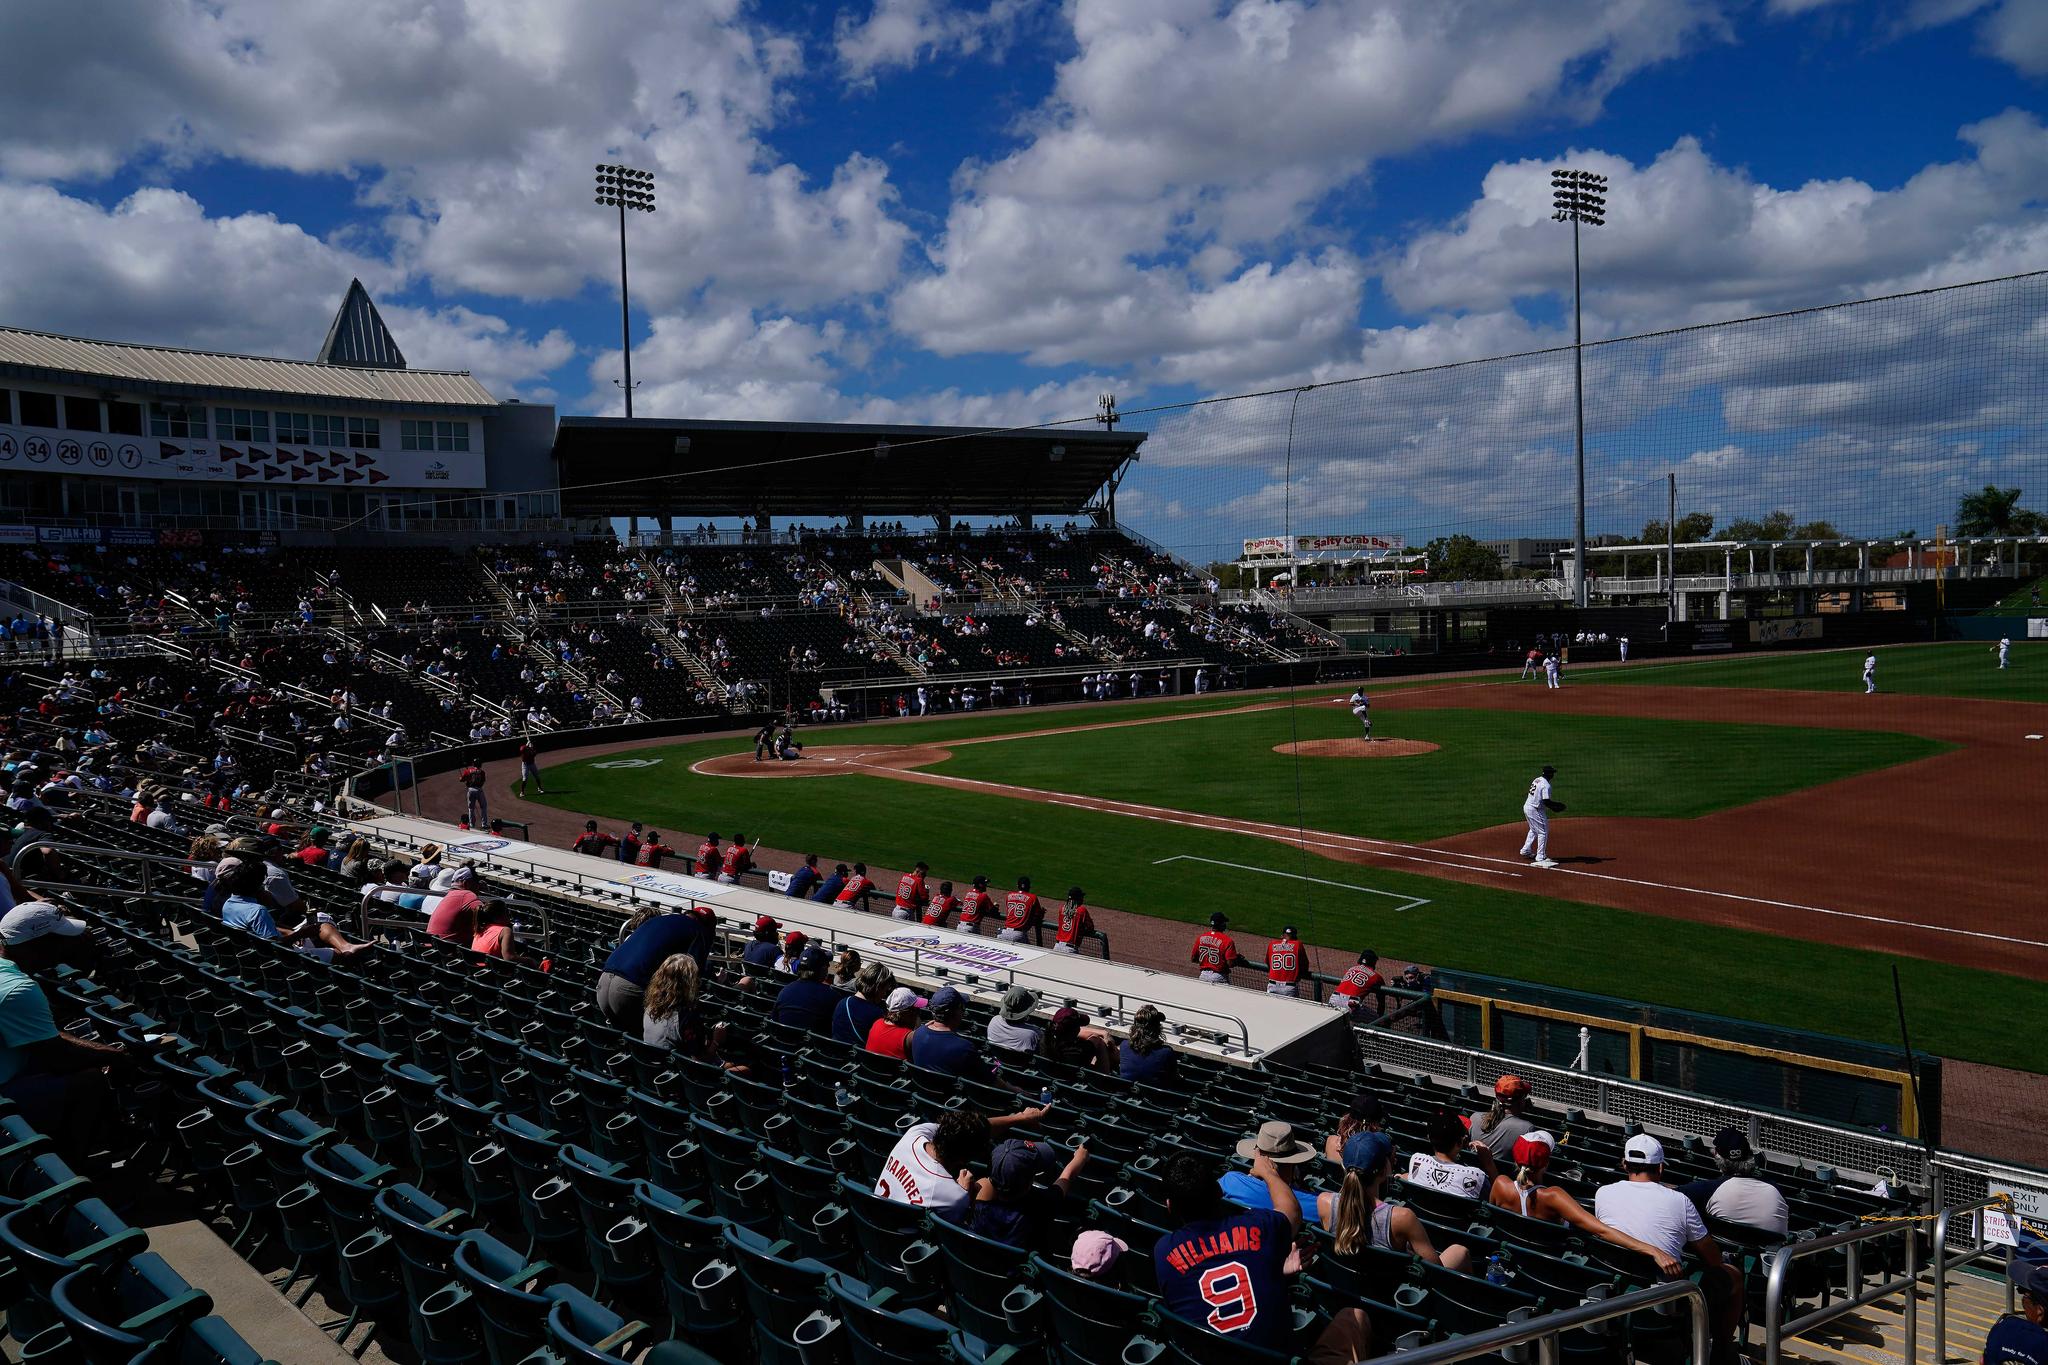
[
  {"x": 1016, "y": 1164},
  {"x": 1732, "y": 1143},
  {"x": 814, "y": 960},
  {"x": 946, "y": 998},
  {"x": 1533, "y": 1147},
  {"x": 1066, "y": 1019},
  {"x": 1644, "y": 1150},
  {"x": 766, "y": 922},
  {"x": 27, "y": 923},
  {"x": 1095, "y": 1252},
  {"x": 1276, "y": 1142},
  {"x": 795, "y": 941},
  {"x": 1367, "y": 1152},
  {"x": 1548, "y": 769},
  {"x": 1509, "y": 1086},
  {"x": 902, "y": 998},
  {"x": 2030, "y": 1278}
]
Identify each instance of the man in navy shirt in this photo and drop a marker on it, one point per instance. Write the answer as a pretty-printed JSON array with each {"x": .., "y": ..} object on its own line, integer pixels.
[
  {"x": 2020, "y": 1338},
  {"x": 939, "y": 1044},
  {"x": 1227, "y": 1271},
  {"x": 807, "y": 1002},
  {"x": 804, "y": 878},
  {"x": 766, "y": 947},
  {"x": 829, "y": 889},
  {"x": 623, "y": 981}
]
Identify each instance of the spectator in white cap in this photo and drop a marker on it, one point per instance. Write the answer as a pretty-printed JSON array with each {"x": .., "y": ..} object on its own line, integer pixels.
[
  {"x": 1525, "y": 1193},
  {"x": 1642, "y": 1206},
  {"x": 59, "y": 1081}
]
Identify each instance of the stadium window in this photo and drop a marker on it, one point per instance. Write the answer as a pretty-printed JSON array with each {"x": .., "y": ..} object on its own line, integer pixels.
[
  {"x": 294, "y": 428},
  {"x": 38, "y": 409},
  {"x": 179, "y": 421},
  {"x": 124, "y": 419},
  {"x": 82, "y": 414},
  {"x": 329, "y": 431},
  {"x": 240, "y": 424},
  {"x": 365, "y": 433},
  {"x": 451, "y": 436},
  {"x": 6, "y": 406},
  {"x": 415, "y": 435}
]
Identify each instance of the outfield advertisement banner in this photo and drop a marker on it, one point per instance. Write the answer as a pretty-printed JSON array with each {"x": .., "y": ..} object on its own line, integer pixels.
[
  {"x": 946, "y": 949},
  {"x": 1786, "y": 630}
]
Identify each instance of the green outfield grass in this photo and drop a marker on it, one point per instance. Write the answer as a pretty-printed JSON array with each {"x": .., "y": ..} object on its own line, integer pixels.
[
  {"x": 1609, "y": 765},
  {"x": 1184, "y": 874},
  {"x": 2019, "y": 602},
  {"x": 1961, "y": 668}
]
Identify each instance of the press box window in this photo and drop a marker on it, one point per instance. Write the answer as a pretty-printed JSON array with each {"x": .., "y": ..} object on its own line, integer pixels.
[
  {"x": 82, "y": 414},
  {"x": 241, "y": 424},
  {"x": 177, "y": 421},
  {"x": 38, "y": 409},
  {"x": 294, "y": 429},
  {"x": 124, "y": 419},
  {"x": 364, "y": 433}
]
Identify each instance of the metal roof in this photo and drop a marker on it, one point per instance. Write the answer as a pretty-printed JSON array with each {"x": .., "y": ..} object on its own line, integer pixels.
[
  {"x": 613, "y": 466},
  {"x": 61, "y": 359},
  {"x": 358, "y": 336}
]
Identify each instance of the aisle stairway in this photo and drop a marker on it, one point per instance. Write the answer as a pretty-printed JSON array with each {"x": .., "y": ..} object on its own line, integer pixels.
[{"x": 1877, "y": 1334}]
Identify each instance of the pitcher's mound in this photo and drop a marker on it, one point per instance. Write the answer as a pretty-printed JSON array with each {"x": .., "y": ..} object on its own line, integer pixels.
[
  {"x": 823, "y": 761},
  {"x": 1357, "y": 748}
]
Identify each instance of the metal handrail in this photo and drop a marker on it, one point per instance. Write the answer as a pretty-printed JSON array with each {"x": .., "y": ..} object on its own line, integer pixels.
[
  {"x": 1776, "y": 1331},
  {"x": 182, "y": 862},
  {"x": 1941, "y": 1265},
  {"x": 1546, "y": 1329}
]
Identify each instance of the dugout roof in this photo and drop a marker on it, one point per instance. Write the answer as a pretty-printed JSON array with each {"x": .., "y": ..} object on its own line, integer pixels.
[{"x": 614, "y": 467}]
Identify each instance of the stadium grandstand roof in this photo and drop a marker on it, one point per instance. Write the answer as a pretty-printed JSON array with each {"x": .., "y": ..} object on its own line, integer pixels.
[
  {"x": 51, "y": 358},
  {"x": 612, "y": 466}
]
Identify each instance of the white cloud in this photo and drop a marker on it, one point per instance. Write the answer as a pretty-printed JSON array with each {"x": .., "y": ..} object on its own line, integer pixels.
[
  {"x": 2017, "y": 33},
  {"x": 899, "y": 34},
  {"x": 503, "y": 359}
]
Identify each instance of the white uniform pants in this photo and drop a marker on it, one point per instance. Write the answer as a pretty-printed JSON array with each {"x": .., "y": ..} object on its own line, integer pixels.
[
  {"x": 1010, "y": 935},
  {"x": 1213, "y": 978},
  {"x": 1064, "y": 948},
  {"x": 1869, "y": 683},
  {"x": 1550, "y": 676},
  {"x": 1538, "y": 839},
  {"x": 1528, "y": 668},
  {"x": 1365, "y": 719},
  {"x": 1282, "y": 988},
  {"x": 901, "y": 912}
]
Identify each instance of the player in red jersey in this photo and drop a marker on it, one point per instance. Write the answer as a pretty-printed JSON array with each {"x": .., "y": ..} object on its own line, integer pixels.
[
  {"x": 592, "y": 842},
  {"x": 1021, "y": 913},
  {"x": 853, "y": 895},
  {"x": 1283, "y": 963},
  {"x": 941, "y": 905},
  {"x": 653, "y": 850},
  {"x": 977, "y": 906},
  {"x": 1074, "y": 923},
  {"x": 1215, "y": 953},
  {"x": 911, "y": 895},
  {"x": 1360, "y": 980},
  {"x": 709, "y": 856},
  {"x": 739, "y": 860}
]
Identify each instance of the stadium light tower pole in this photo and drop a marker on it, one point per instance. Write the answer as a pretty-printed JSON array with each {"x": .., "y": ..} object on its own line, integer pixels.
[
  {"x": 623, "y": 187},
  {"x": 1579, "y": 197}
]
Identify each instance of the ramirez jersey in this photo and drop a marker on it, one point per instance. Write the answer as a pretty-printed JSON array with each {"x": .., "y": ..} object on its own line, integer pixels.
[
  {"x": 1283, "y": 961},
  {"x": 1539, "y": 792}
]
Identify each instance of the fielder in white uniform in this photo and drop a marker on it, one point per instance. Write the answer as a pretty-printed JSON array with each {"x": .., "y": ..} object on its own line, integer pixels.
[
  {"x": 2004, "y": 648},
  {"x": 1869, "y": 674},
  {"x": 1550, "y": 670},
  {"x": 1624, "y": 649},
  {"x": 1536, "y": 809},
  {"x": 1361, "y": 707}
]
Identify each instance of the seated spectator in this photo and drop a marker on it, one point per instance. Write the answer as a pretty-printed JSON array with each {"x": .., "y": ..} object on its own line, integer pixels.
[
  {"x": 793, "y": 945},
  {"x": 622, "y": 982},
  {"x": 845, "y": 968},
  {"x": 1068, "y": 1039},
  {"x": 671, "y": 1019},
  {"x": 940, "y": 1046},
  {"x": 1736, "y": 1195},
  {"x": 762, "y": 950},
  {"x": 1249, "y": 1251},
  {"x": 889, "y": 1036},
  {"x": 1363, "y": 1219},
  {"x": 1010, "y": 1030},
  {"x": 58, "y": 1080},
  {"x": 932, "y": 1164},
  {"x": 203, "y": 853},
  {"x": 807, "y": 1002},
  {"x": 493, "y": 930},
  {"x": 1276, "y": 1144},
  {"x": 248, "y": 907},
  {"x": 1643, "y": 1207},
  {"x": 454, "y": 916},
  {"x": 1507, "y": 1120},
  {"x": 313, "y": 852},
  {"x": 1454, "y": 1164},
  {"x": 1009, "y": 1204},
  {"x": 855, "y": 1015},
  {"x": 1145, "y": 1056},
  {"x": 1366, "y": 1115},
  {"x": 355, "y": 862},
  {"x": 1525, "y": 1193},
  {"x": 2020, "y": 1338}
]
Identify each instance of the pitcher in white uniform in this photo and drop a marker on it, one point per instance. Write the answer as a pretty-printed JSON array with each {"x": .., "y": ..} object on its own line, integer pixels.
[
  {"x": 1536, "y": 809},
  {"x": 1869, "y": 674},
  {"x": 1361, "y": 707}
]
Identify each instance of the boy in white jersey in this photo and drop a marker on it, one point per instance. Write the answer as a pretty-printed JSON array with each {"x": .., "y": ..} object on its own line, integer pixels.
[{"x": 1536, "y": 809}]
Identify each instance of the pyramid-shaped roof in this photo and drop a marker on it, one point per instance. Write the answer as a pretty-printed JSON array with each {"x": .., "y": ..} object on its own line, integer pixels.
[{"x": 358, "y": 336}]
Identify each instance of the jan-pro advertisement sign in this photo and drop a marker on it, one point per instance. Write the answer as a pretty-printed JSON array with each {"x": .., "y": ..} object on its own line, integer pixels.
[{"x": 35, "y": 450}]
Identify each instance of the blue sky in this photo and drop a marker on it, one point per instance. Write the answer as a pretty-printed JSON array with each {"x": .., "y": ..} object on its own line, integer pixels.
[{"x": 918, "y": 211}]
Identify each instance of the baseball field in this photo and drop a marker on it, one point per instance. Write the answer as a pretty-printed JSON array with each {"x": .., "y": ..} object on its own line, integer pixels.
[{"x": 1749, "y": 836}]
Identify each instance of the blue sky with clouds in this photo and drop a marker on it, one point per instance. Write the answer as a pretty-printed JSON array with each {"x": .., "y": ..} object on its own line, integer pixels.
[{"x": 988, "y": 212}]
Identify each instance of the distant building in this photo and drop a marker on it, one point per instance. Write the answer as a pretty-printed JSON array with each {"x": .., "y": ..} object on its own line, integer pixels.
[{"x": 1527, "y": 552}]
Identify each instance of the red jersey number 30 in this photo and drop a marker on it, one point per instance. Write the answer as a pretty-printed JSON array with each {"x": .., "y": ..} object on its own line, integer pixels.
[{"x": 1227, "y": 1289}]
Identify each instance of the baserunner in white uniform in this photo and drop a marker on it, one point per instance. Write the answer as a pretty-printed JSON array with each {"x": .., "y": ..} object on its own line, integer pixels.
[
  {"x": 1869, "y": 674},
  {"x": 1361, "y": 707},
  {"x": 1536, "y": 809}
]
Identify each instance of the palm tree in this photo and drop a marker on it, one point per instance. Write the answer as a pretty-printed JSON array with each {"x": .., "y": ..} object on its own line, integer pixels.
[{"x": 1996, "y": 512}]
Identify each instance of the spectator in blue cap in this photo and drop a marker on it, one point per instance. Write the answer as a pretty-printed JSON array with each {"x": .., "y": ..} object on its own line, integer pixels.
[
  {"x": 940, "y": 1046},
  {"x": 807, "y": 1002},
  {"x": 1360, "y": 1218},
  {"x": 2021, "y": 1338}
]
